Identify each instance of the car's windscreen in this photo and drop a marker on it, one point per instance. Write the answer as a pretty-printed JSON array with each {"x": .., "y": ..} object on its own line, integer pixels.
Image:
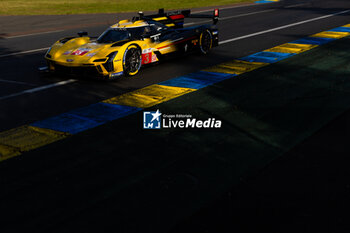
[
  {"x": 113, "y": 35},
  {"x": 118, "y": 34}
]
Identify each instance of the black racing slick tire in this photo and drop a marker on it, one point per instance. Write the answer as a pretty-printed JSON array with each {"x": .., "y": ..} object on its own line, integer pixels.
[
  {"x": 205, "y": 42},
  {"x": 132, "y": 60}
]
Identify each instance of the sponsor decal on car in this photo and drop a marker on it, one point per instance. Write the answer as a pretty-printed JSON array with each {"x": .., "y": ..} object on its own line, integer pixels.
[
  {"x": 81, "y": 51},
  {"x": 148, "y": 57},
  {"x": 91, "y": 54},
  {"x": 67, "y": 52}
]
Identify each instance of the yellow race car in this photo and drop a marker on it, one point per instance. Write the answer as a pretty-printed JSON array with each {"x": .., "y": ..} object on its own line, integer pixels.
[{"x": 128, "y": 45}]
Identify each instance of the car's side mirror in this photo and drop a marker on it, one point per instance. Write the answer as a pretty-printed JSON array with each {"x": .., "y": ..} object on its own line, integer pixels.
[
  {"x": 155, "y": 38},
  {"x": 82, "y": 33}
]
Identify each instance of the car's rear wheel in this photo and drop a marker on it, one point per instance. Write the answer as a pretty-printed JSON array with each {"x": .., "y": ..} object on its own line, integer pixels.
[
  {"x": 205, "y": 42},
  {"x": 132, "y": 60}
]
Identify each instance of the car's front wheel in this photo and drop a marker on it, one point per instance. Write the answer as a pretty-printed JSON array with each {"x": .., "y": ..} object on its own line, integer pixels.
[{"x": 132, "y": 60}]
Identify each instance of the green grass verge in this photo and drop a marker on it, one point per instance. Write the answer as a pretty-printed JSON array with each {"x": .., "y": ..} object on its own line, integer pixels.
[{"x": 49, "y": 7}]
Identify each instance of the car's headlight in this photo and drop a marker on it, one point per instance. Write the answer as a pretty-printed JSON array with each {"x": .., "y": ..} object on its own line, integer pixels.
[
  {"x": 100, "y": 60},
  {"x": 47, "y": 53}
]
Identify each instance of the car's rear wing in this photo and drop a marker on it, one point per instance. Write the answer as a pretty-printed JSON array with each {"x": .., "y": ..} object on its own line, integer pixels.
[{"x": 175, "y": 19}]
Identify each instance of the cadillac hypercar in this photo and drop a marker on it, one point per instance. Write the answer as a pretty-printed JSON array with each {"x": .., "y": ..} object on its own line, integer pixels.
[{"x": 128, "y": 45}]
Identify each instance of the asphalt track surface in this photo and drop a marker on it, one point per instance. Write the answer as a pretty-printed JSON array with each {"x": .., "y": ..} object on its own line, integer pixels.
[
  {"x": 19, "y": 72},
  {"x": 19, "y": 62}
]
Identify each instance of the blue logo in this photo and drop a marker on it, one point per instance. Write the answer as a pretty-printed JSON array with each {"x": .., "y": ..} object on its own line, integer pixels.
[{"x": 152, "y": 120}]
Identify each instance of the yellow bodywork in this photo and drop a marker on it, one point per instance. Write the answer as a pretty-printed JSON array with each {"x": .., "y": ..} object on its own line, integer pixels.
[{"x": 84, "y": 53}]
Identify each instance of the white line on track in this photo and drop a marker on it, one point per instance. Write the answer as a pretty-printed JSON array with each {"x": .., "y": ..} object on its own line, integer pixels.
[
  {"x": 282, "y": 27},
  {"x": 32, "y": 34},
  {"x": 231, "y": 17},
  {"x": 15, "y": 82},
  {"x": 36, "y": 89},
  {"x": 247, "y": 14},
  {"x": 40, "y": 33},
  {"x": 24, "y": 52},
  {"x": 296, "y": 5},
  {"x": 229, "y": 7}
]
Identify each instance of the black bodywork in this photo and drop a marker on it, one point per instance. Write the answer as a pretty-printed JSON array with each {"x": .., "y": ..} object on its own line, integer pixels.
[{"x": 185, "y": 39}]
